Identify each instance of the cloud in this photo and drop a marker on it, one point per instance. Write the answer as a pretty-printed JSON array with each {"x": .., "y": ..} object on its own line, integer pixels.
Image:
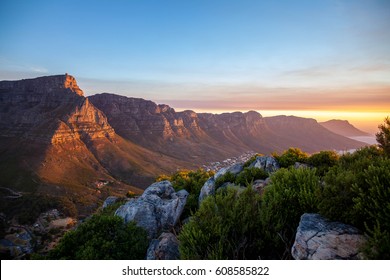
[
  {"x": 37, "y": 69},
  {"x": 14, "y": 70},
  {"x": 373, "y": 98}
]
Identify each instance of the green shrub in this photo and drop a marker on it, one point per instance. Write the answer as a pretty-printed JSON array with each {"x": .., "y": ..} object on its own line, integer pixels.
[
  {"x": 102, "y": 237},
  {"x": 227, "y": 177},
  {"x": 192, "y": 182},
  {"x": 291, "y": 156},
  {"x": 250, "y": 174},
  {"x": 371, "y": 205},
  {"x": 383, "y": 136},
  {"x": 322, "y": 161},
  {"x": 226, "y": 226},
  {"x": 292, "y": 192},
  {"x": 357, "y": 192},
  {"x": 244, "y": 178},
  {"x": 337, "y": 194}
]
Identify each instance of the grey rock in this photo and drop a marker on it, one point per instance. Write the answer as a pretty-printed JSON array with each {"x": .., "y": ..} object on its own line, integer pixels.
[
  {"x": 259, "y": 185},
  {"x": 298, "y": 165},
  {"x": 207, "y": 189},
  {"x": 266, "y": 163},
  {"x": 109, "y": 201},
  {"x": 166, "y": 247},
  {"x": 320, "y": 239},
  {"x": 159, "y": 208},
  {"x": 234, "y": 169}
]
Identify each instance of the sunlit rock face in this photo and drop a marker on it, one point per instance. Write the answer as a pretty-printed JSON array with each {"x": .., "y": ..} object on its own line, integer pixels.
[{"x": 49, "y": 109}]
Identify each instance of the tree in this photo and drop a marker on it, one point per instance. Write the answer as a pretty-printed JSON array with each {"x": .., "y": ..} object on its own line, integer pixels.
[{"x": 383, "y": 136}]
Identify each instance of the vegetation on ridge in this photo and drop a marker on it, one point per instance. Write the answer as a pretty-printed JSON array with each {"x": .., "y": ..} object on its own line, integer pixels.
[
  {"x": 240, "y": 223},
  {"x": 353, "y": 188}
]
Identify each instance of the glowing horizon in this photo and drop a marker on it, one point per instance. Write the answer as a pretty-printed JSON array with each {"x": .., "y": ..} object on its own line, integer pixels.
[
  {"x": 365, "y": 121},
  {"x": 318, "y": 59}
]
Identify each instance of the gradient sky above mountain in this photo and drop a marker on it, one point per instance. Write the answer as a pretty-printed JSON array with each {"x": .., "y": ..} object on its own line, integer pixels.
[{"x": 322, "y": 59}]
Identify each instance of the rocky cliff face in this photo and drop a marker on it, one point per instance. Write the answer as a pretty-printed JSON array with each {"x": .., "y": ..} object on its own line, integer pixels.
[
  {"x": 138, "y": 119},
  {"x": 49, "y": 109},
  {"x": 209, "y": 137}
]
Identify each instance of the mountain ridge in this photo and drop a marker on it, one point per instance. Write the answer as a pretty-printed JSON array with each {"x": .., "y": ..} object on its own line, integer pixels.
[
  {"x": 344, "y": 128},
  {"x": 54, "y": 140}
]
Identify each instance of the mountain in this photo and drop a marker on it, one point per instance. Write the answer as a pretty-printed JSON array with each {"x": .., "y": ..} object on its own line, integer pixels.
[
  {"x": 343, "y": 127},
  {"x": 308, "y": 134},
  {"x": 55, "y": 141},
  {"x": 202, "y": 137}
]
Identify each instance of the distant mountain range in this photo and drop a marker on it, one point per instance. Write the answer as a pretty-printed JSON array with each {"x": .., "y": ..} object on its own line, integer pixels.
[
  {"x": 344, "y": 128},
  {"x": 55, "y": 140}
]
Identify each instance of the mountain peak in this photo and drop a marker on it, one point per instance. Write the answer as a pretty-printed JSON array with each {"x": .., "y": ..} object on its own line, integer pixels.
[
  {"x": 70, "y": 83},
  {"x": 343, "y": 127},
  {"x": 46, "y": 84}
]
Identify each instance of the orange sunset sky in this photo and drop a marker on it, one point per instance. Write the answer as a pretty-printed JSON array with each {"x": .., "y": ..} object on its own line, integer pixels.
[{"x": 309, "y": 58}]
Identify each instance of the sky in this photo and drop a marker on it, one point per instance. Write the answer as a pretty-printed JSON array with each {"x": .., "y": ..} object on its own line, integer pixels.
[{"x": 322, "y": 59}]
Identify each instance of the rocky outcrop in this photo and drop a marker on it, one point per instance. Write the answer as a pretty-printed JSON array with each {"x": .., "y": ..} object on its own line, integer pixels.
[
  {"x": 109, "y": 201},
  {"x": 138, "y": 119},
  {"x": 42, "y": 85},
  {"x": 320, "y": 239},
  {"x": 166, "y": 247},
  {"x": 158, "y": 209},
  {"x": 209, "y": 187},
  {"x": 50, "y": 109},
  {"x": 268, "y": 164}
]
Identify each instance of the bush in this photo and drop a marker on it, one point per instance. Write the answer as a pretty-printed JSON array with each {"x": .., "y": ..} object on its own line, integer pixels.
[
  {"x": 357, "y": 192},
  {"x": 226, "y": 226},
  {"x": 292, "y": 192},
  {"x": 244, "y": 178},
  {"x": 102, "y": 237},
  {"x": 322, "y": 161},
  {"x": 291, "y": 156},
  {"x": 337, "y": 193},
  {"x": 250, "y": 174},
  {"x": 372, "y": 207},
  {"x": 383, "y": 136},
  {"x": 192, "y": 182},
  {"x": 228, "y": 177}
]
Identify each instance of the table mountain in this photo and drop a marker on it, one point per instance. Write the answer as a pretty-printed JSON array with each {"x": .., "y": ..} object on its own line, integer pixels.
[
  {"x": 201, "y": 137},
  {"x": 54, "y": 140}
]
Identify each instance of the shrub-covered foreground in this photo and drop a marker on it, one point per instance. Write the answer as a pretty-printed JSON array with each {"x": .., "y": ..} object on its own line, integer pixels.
[
  {"x": 235, "y": 224},
  {"x": 102, "y": 237}
]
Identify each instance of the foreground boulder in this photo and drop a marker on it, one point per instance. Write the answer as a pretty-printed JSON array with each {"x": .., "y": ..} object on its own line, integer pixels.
[
  {"x": 166, "y": 247},
  {"x": 159, "y": 208},
  {"x": 320, "y": 239}
]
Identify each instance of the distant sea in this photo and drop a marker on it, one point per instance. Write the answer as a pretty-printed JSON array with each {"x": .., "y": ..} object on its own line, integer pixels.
[{"x": 366, "y": 139}]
